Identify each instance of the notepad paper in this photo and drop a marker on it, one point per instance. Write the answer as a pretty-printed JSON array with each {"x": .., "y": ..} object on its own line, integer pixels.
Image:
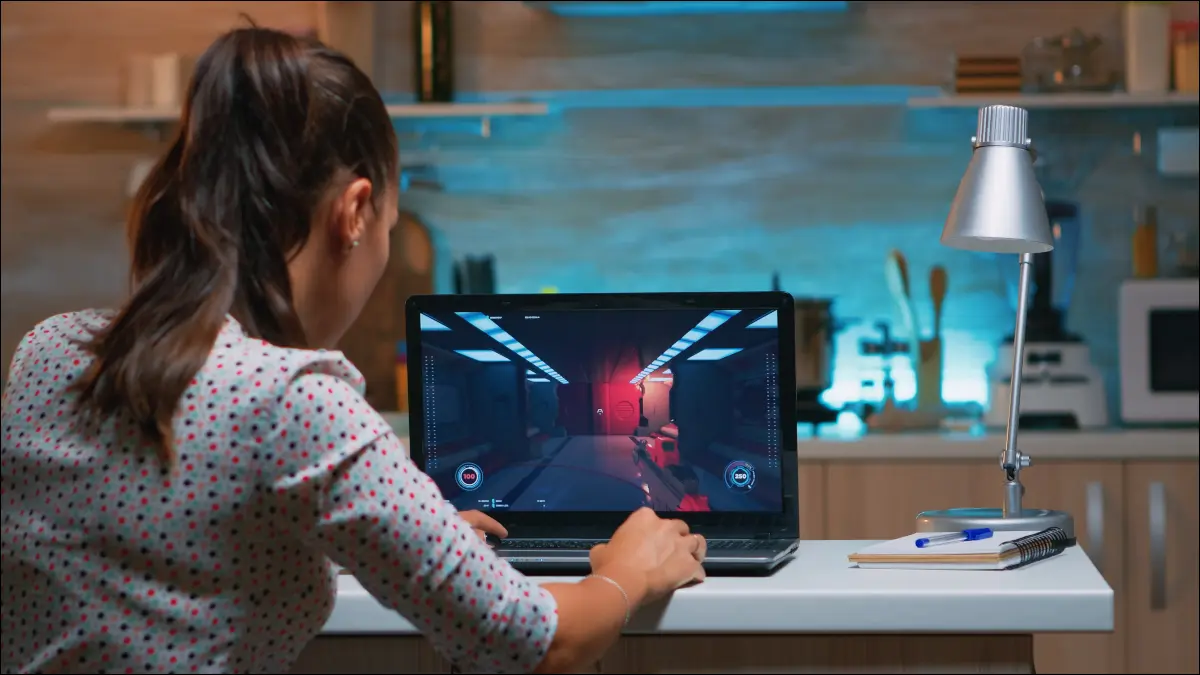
[{"x": 995, "y": 553}]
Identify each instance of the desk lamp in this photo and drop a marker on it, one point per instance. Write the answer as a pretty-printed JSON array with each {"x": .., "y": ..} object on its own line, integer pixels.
[{"x": 999, "y": 208}]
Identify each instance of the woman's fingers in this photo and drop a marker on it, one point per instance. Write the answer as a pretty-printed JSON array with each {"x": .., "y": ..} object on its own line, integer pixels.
[
  {"x": 482, "y": 521},
  {"x": 701, "y": 547}
]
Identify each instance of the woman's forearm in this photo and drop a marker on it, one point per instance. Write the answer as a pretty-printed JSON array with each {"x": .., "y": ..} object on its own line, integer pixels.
[{"x": 591, "y": 614}]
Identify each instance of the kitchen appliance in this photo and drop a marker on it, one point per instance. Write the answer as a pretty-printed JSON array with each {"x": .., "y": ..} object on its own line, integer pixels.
[
  {"x": 1158, "y": 335},
  {"x": 815, "y": 329},
  {"x": 1062, "y": 388},
  {"x": 1179, "y": 152}
]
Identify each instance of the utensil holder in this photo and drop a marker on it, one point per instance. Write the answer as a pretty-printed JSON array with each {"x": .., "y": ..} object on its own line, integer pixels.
[{"x": 927, "y": 368}]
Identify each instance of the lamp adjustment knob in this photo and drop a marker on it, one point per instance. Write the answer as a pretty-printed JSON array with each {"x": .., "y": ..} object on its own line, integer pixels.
[
  {"x": 1024, "y": 461},
  {"x": 1003, "y": 125}
]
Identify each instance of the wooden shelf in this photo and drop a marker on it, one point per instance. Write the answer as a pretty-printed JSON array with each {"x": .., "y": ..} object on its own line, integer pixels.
[
  {"x": 535, "y": 104},
  {"x": 572, "y": 8},
  {"x": 818, "y": 96},
  {"x": 118, "y": 115},
  {"x": 432, "y": 110},
  {"x": 1083, "y": 100},
  {"x": 102, "y": 115}
]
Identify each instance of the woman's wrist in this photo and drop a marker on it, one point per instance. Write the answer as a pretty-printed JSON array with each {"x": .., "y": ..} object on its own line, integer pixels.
[{"x": 631, "y": 583}]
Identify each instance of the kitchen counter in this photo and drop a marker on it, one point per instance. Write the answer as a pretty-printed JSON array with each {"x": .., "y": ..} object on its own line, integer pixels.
[
  {"x": 817, "y": 614},
  {"x": 820, "y": 592},
  {"x": 1106, "y": 444},
  {"x": 856, "y": 486}
]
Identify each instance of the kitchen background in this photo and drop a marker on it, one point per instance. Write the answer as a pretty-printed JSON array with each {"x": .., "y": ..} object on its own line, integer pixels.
[{"x": 680, "y": 153}]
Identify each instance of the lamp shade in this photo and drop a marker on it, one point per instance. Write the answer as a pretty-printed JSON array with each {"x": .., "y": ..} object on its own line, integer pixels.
[{"x": 999, "y": 206}]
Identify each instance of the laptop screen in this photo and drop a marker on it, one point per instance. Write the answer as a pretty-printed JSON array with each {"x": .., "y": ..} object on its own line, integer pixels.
[{"x": 603, "y": 410}]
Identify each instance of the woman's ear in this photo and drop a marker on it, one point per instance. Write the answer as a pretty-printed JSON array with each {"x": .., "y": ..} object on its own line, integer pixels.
[{"x": 353, "y": 212}]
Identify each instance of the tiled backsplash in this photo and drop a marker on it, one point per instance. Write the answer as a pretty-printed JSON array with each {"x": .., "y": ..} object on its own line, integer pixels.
[
  {"x": 719, "y": 199},
  {"x": 636, "y": 199}
]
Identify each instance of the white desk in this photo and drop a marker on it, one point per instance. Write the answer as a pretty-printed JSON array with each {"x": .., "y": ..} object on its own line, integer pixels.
[{"x": 817, "y": 614}]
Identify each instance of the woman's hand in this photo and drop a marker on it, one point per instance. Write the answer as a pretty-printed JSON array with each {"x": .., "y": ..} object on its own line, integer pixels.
[
  {"x": 483, "y": 524},
  {"x": 657, "y": 554}
]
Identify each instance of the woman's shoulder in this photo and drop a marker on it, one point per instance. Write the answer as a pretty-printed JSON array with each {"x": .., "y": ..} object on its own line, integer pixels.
[
  {"x": 61, "y": 335},
  {"x": 239, "y": 361},
  {"x": 77, "y": 324}
]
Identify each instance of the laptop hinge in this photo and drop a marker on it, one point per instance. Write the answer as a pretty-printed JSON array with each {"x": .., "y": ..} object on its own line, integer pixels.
[{"x": 766, "y": 535}]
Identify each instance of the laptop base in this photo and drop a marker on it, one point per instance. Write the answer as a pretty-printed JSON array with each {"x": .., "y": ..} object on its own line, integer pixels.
[{"x": 557, "y": 562}]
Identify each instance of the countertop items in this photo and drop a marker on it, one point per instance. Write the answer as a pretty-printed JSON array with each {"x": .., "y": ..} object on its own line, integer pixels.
[
  {"x": 820, "y": 592},
  {"x": 1115, "y": 444},
  {"x": 1109, "y": 444},
  {"x": 926, "y": 353}
]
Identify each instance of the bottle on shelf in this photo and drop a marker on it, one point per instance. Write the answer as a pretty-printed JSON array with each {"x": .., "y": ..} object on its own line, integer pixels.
[
  {"x": 1145, "y": 243},
  {"x": 433, "y": 41}
]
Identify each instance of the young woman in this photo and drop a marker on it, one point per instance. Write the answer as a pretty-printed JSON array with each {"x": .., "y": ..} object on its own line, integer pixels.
[{"x": 178, "y": 474}]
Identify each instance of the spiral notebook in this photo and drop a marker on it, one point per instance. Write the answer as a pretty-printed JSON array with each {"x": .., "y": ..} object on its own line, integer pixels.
[{"x": 1004, "y": 551}]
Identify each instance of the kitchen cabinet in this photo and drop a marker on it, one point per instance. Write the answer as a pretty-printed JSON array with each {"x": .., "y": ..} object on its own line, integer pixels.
[
  {"x": 734, "y": 655},
  {"x": 1093, "y": 492},
  {"x": 881, "y": 500},
  {"x": 350, "y": 28},
  {"x": 374, "y": 654},
  {"x": 812, "y": 500},
  {"x": 1138, "y": 521},
  {"x": 1163, "y": 598}
]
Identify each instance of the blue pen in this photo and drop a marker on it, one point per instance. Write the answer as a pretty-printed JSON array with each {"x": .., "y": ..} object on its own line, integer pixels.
[{"x": 954, "y": 537}]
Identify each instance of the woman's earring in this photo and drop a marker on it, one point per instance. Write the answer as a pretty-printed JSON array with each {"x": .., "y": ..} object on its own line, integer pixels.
[{"x": 353, "y": 245}]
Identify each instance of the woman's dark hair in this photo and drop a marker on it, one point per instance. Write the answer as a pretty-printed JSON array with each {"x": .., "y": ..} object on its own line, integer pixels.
[{"x": 271, "y": 122}]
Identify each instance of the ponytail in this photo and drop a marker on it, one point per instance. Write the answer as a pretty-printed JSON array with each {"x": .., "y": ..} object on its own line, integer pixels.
[{"x": 217, "y": 219}]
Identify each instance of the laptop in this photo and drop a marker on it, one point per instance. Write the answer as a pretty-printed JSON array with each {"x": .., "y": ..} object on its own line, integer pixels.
[{"x": 559, "y": 415}]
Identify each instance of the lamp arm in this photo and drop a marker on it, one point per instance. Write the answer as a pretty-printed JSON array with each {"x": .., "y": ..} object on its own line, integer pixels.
[{"x": 1013, "y": 461}]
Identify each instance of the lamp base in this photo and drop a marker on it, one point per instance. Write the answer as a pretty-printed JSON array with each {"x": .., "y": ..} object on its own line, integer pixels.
[{"x": 1030, "y": 520}]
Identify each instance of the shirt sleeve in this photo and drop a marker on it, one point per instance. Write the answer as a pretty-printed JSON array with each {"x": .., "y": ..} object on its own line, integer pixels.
[{"x": 348, "y": 481}]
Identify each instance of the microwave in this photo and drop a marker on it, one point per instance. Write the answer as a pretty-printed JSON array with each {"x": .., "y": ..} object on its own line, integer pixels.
[{"x": 1158, "y": 344}]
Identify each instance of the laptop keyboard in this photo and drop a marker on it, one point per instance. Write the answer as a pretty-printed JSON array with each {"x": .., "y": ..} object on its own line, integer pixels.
[{"x": 584, "y": 544}]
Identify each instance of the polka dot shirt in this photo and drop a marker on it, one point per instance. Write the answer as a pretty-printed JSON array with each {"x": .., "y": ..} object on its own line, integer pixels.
[{"x": 111, "y": 564}]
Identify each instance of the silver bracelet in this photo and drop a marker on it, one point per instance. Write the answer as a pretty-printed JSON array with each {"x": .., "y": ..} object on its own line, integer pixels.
[{"x": 628, "y": 606}]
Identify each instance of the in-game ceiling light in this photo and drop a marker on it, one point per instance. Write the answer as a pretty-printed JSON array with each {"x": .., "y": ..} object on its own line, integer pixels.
[
  {"x": 768, "y": 320},
  {"x": 483, "y": 355},
  {"x": 713, "y": 354},
  {"x": 707, "y": 325},
  {"x": 430, "y": 323},
  {"x": 494, "y": 331}
]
